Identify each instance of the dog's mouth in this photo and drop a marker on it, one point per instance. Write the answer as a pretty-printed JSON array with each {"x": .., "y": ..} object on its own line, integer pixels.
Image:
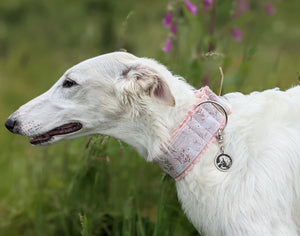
[{"x": 61, "y": 130}]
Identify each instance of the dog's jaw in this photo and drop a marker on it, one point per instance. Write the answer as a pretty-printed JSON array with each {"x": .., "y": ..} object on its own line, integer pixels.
[{"x": 47, "y": 138}]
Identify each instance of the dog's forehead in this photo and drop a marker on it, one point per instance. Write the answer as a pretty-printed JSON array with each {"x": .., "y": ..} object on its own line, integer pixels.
[
  {"x": 106, "y": 66},
  {"x": 104, "y": 63}
]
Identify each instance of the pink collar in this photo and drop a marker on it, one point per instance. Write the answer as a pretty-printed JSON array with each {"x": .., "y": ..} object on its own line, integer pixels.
[{"x": 192, "y": 137}]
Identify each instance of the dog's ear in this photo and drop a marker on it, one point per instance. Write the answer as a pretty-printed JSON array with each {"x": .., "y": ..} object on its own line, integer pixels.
[{"x": 150, "y": 82}]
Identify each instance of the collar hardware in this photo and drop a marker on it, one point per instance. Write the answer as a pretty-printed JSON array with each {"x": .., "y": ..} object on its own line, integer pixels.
[
  {"x": 203, "y": 125},
  {"x": 222, "y": 161}
]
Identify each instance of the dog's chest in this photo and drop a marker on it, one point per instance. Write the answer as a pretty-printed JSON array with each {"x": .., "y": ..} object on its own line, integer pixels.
[{"x": 199, "y": 193}]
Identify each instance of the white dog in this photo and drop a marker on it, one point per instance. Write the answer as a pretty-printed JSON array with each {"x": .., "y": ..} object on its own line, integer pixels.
[{"x": 139, "y": 101}]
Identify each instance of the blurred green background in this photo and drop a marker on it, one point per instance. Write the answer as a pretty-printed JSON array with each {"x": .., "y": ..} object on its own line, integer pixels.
[{"x": 99, "y": 186}]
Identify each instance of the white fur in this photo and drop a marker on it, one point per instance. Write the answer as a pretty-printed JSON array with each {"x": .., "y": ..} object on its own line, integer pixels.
[{"x": 139, "y": 101}]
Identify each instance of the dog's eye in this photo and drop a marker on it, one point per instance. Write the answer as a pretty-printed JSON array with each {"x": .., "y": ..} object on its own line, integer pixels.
[{"x": 69, "y": 83}]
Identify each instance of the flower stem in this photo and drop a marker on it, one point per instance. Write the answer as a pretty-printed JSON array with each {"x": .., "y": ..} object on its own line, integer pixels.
[{"x": 212, "y": 24}]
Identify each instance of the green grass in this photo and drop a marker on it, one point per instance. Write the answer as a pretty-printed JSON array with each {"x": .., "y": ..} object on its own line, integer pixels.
[
  {"x": 99, "y": 186},
  {"x": 89, "y": 196}
]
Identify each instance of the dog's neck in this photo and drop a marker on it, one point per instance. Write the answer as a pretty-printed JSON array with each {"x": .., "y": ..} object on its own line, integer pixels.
[
  {"x": 169, "y": 119},
  {"x": 157, "y": 123},
  {"x": 164, "y": 121}
]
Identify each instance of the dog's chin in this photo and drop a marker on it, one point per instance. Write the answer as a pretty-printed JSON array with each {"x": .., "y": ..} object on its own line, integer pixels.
[
  {"x": 49, "y": 142},
  {"x": 57, "y": 134}
]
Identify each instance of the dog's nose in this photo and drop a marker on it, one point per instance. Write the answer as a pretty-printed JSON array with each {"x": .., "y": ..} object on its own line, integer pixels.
[{"x": 10, "y": 124}]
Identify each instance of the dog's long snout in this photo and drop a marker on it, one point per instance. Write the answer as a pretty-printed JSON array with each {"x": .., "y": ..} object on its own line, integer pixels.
[{"x": 11, "y": 124}]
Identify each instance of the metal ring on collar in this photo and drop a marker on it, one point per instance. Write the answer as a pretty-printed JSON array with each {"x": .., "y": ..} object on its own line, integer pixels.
[{"x": 217, "y": 106}]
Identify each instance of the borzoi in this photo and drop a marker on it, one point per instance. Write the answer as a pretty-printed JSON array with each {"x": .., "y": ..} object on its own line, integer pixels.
[{"x": 254, "y": 189}]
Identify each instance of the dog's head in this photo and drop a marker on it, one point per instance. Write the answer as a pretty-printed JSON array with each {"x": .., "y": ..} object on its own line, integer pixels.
[{"x": 108, "y": 94}]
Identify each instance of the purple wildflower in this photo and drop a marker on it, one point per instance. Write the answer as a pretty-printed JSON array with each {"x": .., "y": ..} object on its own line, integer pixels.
[
  {"x": 167, "y": 20},
  {"x": 207, "y": 3},
  {"x": 241, "y": 7},
  {"x": 191, "y": 7},
  {"x": 174, "y": 29},
  {"x": 168, "y": 45},
  {"x": 270, "y": 9},
  {"x": 237, "y": 34}
]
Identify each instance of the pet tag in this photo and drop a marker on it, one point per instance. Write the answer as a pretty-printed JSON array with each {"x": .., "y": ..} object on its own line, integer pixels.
[{"x": 223, "y": 162}]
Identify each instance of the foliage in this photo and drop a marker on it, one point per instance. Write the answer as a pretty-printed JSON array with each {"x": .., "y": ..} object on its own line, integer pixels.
[
  {"x": 229, "y": 34},
  {"x": 99, "y": 186},
  {"x": 82, "y": 201}
]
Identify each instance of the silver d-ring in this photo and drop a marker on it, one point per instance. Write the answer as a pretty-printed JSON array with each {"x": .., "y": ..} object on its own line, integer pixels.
[{"x": 219, "y": 107}]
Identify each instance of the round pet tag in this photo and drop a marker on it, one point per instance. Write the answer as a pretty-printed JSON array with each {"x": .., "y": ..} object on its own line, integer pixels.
[{"x": 223, "y": 162}]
